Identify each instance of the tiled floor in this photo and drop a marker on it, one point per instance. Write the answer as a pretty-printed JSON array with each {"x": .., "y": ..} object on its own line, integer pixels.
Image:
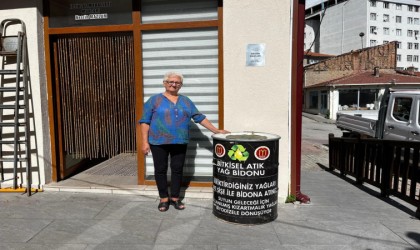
[{"x": 117, "y": 175}]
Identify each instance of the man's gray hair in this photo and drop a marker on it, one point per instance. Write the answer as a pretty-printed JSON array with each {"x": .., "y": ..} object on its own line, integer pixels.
[{"x": 170, "y": 74}]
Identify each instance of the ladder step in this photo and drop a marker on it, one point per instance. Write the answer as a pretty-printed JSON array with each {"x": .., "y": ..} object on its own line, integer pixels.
[
  {"x": 19, "y": 190},
  {"x": 10, "y": 179},
  {"x": 11, "y": 106},
  {"x": 11, "y": 124},
  {"x": 12, "y": 142},
  {"x": 9, "y": 71},
  {"x": 8, "y": 53},
  {"x": 13, "y": 159},
  {"x": 10, "y": 89}
]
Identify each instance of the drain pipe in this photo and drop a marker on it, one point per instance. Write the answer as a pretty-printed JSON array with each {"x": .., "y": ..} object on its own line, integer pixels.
[{"x": 296, "y": 99}]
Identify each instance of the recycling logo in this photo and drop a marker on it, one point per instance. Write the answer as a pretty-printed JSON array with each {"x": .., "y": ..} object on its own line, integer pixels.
[{"x": 238, "y": 152}]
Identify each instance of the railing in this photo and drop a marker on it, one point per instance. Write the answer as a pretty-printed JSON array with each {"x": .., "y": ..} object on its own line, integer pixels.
[{"x": 392, "y": 166}]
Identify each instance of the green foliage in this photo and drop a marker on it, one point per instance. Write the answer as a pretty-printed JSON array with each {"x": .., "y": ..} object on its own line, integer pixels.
[
  {"x": 327, "y": 114},
  {"x": 291, "y": 198}
]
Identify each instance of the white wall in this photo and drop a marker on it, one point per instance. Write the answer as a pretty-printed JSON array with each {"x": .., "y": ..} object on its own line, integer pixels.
[
  {"x": 334, "y": 102},
  {"x": 28, "y": 11},
  {"x": 341, "y": 27},
  {"x": 258, "y": 98}
]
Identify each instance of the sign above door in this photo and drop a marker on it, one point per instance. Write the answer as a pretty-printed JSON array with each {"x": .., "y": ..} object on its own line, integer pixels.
[{"x": 74, "y": 13}]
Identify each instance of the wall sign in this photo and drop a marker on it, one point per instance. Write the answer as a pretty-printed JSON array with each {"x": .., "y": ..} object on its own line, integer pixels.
[
  {"x": 255, "y": 54},
  {"x": 70, "y": 13}
]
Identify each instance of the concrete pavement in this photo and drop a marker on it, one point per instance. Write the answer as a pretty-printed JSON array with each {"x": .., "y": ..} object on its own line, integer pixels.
[
  {"x": 318, "y": 118},
  {"x": 340, "y": 216}
]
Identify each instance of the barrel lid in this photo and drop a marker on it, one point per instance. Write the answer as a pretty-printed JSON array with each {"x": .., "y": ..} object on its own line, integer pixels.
[{"x": 246, "y": 136}]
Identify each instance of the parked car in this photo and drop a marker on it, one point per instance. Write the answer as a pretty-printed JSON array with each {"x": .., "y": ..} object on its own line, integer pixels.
[{"x": 397, "y": 118}]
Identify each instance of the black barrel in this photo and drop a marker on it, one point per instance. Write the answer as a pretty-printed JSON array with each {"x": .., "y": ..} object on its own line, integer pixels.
[{"x": 245, "y": 176}]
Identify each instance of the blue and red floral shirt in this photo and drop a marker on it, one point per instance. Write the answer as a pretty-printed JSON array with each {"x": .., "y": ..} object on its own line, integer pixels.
[{"x": 169, "y": 122}]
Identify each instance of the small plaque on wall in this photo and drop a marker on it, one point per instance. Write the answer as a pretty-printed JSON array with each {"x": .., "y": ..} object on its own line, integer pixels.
[
  {"x": 255, "y": 54},
  {"x": 73, "y": 13}
]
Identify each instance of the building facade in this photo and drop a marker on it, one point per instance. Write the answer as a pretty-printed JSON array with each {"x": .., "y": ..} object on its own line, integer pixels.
[
  {"x": 339, "y": 26},
  {"x": 312, "y": 57},
  {"x": 354, "y": 81},
  {"x": 94, "y": 64}
]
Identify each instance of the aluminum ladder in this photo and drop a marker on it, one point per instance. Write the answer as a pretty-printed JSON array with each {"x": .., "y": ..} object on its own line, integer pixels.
[{"x": 15, "y": 144}]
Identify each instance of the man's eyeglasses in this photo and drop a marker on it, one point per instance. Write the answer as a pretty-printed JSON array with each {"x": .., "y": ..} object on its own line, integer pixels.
[{"x": 173, "y": 82}]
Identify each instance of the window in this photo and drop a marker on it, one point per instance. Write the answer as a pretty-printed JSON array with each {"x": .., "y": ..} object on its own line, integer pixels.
[
  {"x": 409, "y": 33},
  {"x": 398, "y": 58},
  {"x": 410, "y": 8},
  {"x": 409, "y": 45},
  {"x": 368, "y": 98},
  {"x": 416, "y": 8},
  {"x": 373, "y": 30},
  {"x": 313, "y": 100},
  {"x": 386, "y": 18},
  {"x": 372, "y": 43},
  {"x": 353, "y": 99},
  {"x": 347, "y": 99},
  {"x": 416, "y": 33},
  {"x": 399, "y": 45},
  {"x": 410, "y": 20},
  {"x": 385, "y": 42},
  {"x": 398, "y": 32},
  {"x": 386, "y": 5},
  {"x": 416, "y": 45},
  {"x": 402, "y": 108},
  {"x": 415, "y": 58},
  {"x": 398, "y": 19},
  {"x": 373, "y": 16},
  {"x": 372, "y": 3},
  {"x": 386, "y": 31},
  {"x": 409, "y": 58},
  {"x": 416, "y": 21},
  {"x": 398, "y": 6}
]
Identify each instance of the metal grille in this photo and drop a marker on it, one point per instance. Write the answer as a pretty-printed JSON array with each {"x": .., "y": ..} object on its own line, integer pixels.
[{"x": 97, "y": 94}]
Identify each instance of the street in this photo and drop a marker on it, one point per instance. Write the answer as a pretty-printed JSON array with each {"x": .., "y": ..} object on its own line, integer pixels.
[
  {"x": 317, "y": 132},
  {"x": 315, "y": 142}
]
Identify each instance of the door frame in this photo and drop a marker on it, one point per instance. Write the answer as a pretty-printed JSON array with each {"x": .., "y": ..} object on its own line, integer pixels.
[{"x": 323, "y": 107}]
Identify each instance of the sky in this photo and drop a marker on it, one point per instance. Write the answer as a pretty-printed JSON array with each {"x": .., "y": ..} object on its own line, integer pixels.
[{"x": 309, "y": 3}]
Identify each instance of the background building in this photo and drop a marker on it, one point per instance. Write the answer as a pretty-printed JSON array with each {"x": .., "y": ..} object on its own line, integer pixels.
[
  {"x": 313, "y": 57},
  {"x": 354, "y": 81},
  {"x": 339, "y": 26}
]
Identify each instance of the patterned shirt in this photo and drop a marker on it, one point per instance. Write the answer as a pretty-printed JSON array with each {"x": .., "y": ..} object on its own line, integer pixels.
[{"x": 169, "y": 122}]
